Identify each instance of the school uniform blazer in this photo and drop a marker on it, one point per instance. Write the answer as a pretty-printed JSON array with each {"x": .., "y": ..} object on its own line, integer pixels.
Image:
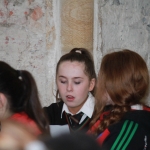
[
  {"x": 58, "y": 120},
  {"x": 53, "y": 113}
]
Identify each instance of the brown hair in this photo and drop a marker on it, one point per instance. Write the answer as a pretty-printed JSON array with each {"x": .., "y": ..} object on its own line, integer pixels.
[
  {"x": 124, "y": 76},
  {"x": 81, "y": 55}
]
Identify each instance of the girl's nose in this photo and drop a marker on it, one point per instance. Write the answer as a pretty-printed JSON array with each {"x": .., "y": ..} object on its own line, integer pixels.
[{"x": 69, "y": 87}]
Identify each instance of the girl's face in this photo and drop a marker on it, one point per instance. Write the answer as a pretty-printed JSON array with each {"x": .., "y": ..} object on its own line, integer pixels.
[{"x": 73, "y": 84}]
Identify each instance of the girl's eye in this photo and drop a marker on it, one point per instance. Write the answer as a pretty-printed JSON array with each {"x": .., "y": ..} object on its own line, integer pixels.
[
  {"x": 77, "y": 82},
  {"x": 63, "y": 82}
]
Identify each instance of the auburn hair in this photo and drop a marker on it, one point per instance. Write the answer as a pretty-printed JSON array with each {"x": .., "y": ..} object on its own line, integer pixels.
[{"x": 124, "y": 77}]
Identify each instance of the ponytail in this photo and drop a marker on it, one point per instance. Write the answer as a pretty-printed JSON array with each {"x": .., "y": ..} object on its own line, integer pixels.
[
  {"x": 19, "y": 87},
  {"x": 32, "y": 106}
]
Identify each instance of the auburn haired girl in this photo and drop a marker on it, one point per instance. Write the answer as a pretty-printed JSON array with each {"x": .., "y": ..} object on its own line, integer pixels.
[{"x": 121, "y": 118}]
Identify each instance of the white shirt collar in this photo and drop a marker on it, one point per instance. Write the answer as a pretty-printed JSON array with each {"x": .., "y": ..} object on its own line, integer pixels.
[
  {"x": 87, "y": 108},
  {"x": 137, "y": 107}
]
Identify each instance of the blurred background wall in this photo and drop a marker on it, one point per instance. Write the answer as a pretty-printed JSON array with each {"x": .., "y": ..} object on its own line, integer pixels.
[{"x": 35, "y": 33}]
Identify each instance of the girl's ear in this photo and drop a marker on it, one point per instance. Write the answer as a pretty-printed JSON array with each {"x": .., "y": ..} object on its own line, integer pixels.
[
  {"x": 92, "y": 84},
  {"x": 3, "y": 100}
]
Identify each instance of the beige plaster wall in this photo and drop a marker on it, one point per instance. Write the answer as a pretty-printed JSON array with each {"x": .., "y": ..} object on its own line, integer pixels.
[
  {"x": 29, "y": 39},
  {"x": 35, "y": 33}
]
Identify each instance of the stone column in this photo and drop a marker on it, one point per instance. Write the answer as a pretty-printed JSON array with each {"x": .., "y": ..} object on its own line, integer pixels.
[{"x": 76, "y": 24}]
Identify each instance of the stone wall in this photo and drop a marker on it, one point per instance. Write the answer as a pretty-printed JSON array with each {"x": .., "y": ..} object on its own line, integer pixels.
[
  {"x": 32, "y": 31},
  {"x": 29, "y": 39}
]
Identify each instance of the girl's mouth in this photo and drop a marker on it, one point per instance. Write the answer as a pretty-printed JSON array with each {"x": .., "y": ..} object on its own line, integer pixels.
[{"x": 70, "y": 98}]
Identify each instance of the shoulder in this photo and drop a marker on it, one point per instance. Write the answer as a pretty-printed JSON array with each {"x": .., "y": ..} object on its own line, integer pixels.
[
  {"x": 54, "y": 107},
  {"x": 94, "y": 127},
  {"x": 125, "y": 135},
  {"x": 132, "y": 132},
  {"x": 147, "y": 108},
  {"x": 23, "y": 118},
  {"x": 53, "y": 112}
]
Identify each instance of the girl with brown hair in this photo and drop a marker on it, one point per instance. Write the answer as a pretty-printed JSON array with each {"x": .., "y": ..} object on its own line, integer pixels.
[
  {"x": 75, "y": 79},
  {"x": 121, "y": 118}
]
